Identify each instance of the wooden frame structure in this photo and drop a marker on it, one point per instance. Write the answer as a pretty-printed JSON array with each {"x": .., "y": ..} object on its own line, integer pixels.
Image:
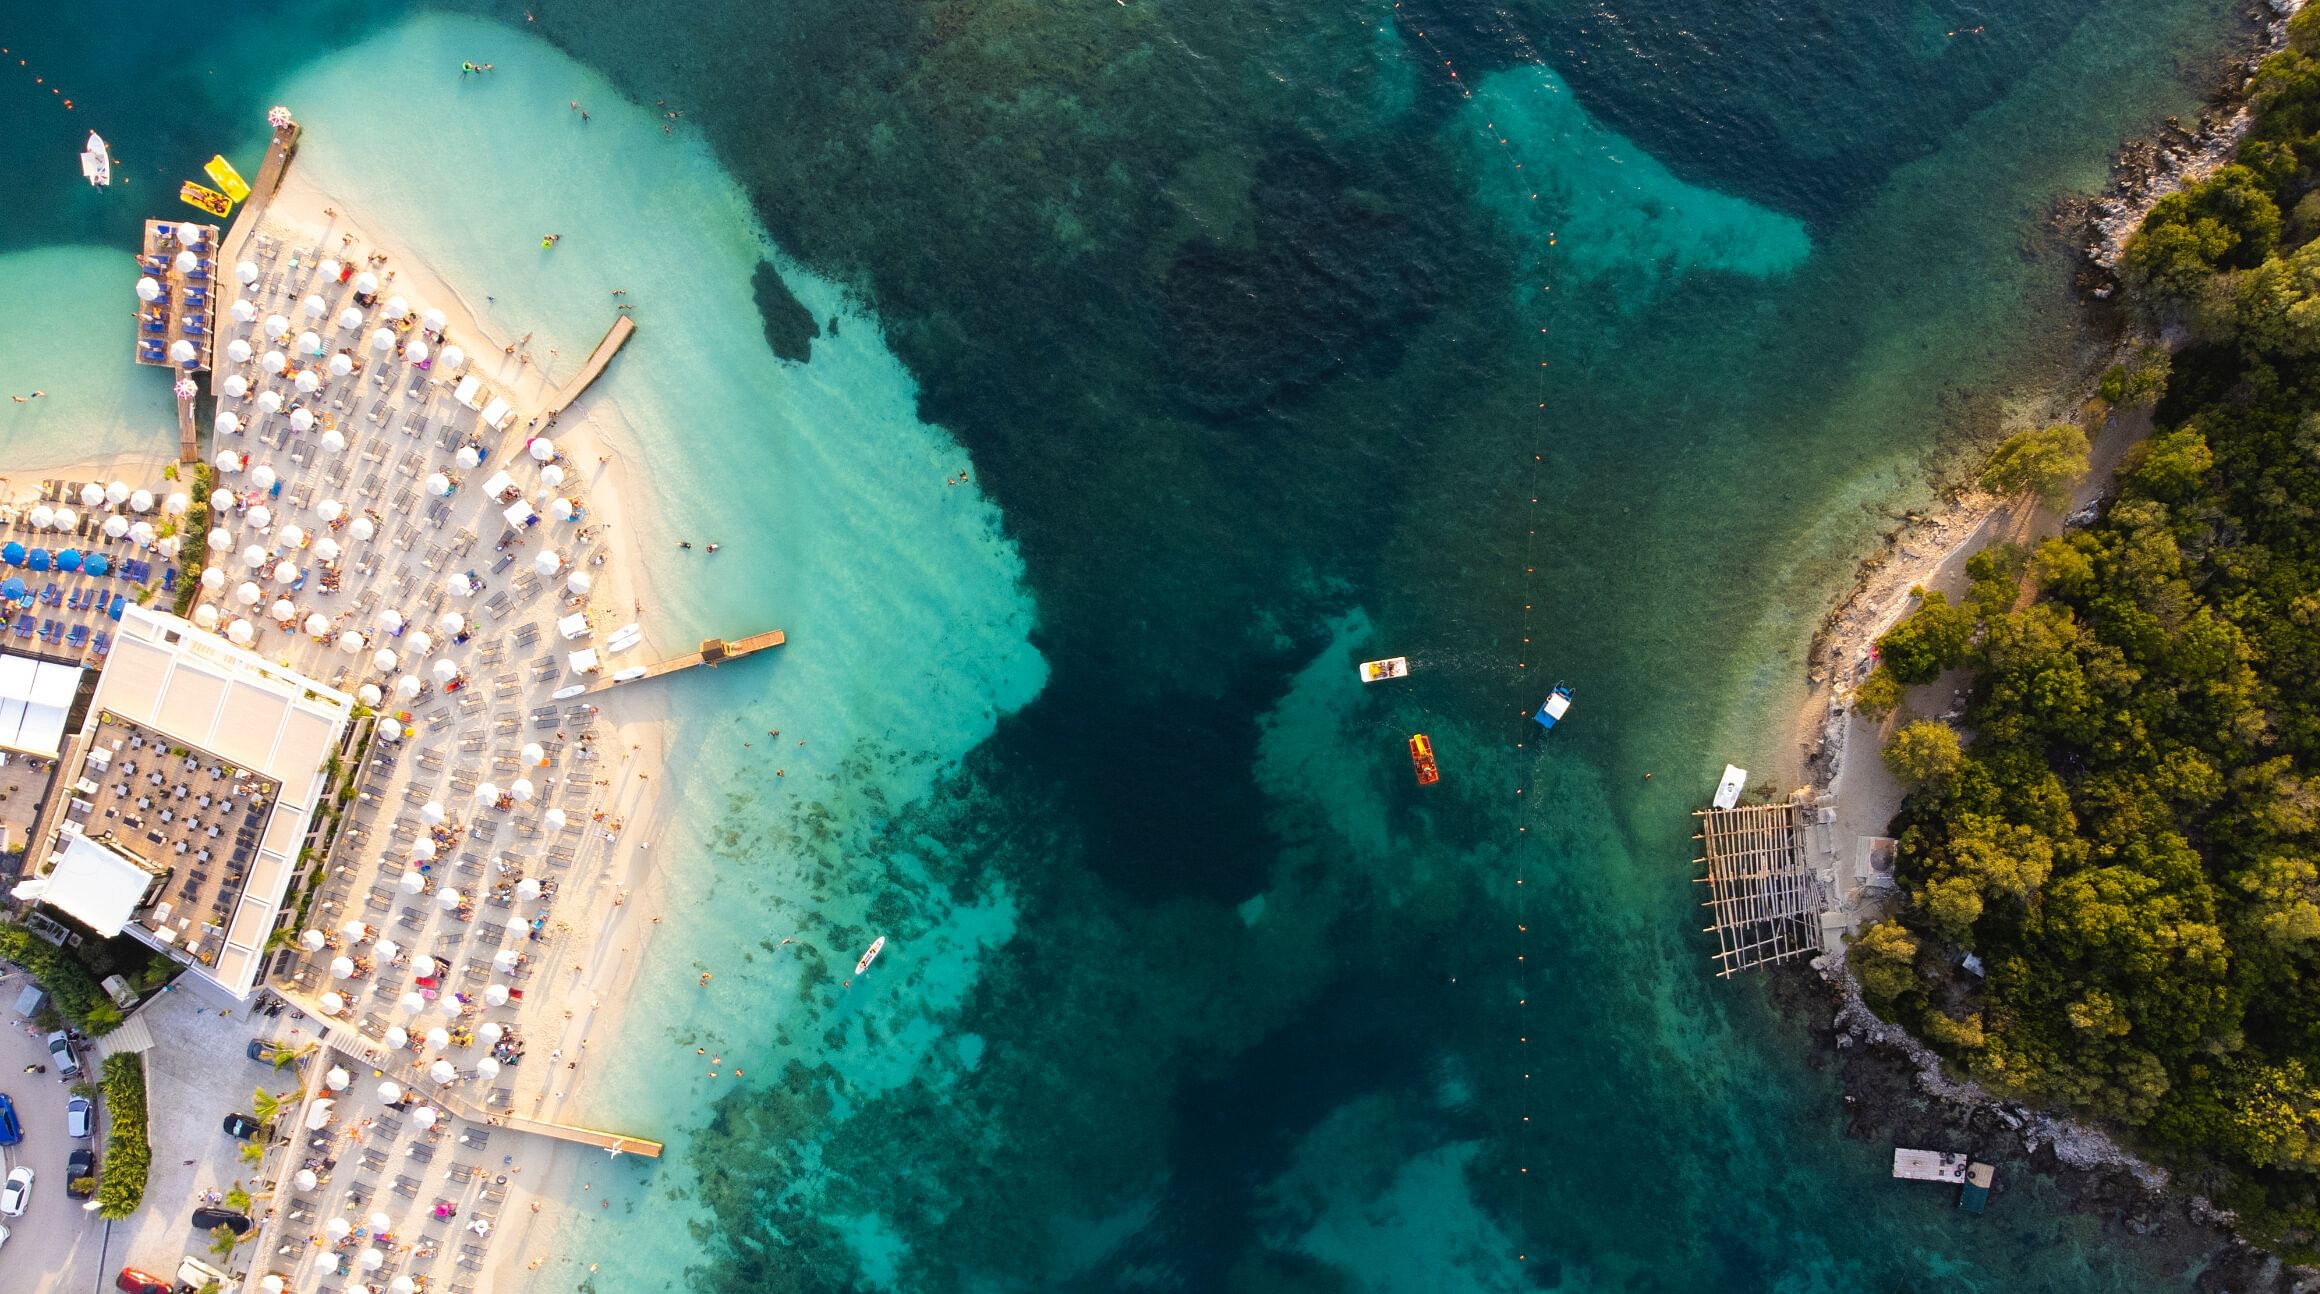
[{"x": 1762, "y": 895}]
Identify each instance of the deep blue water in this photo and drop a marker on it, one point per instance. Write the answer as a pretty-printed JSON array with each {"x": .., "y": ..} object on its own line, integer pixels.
[{"x": 1284, "y": 335}]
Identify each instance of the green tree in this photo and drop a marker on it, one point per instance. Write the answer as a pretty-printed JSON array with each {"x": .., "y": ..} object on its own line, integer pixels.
[
  {"x": 1879, "y": 694},
  {"x": 2138, "y": 381},
  {"x": 2044, "y": 462},
  {"x": 1933, "y": 638},
  {"x": 1883, "y": 958},
  {"x": 1924, "y": 753}
]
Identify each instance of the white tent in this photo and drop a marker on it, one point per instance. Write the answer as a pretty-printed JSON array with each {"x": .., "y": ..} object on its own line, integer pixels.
[
  {"x": 499, "y": 484},
  {"x": 469, "y": 391},
  {"x": 573, "y": 626},
  {"x": 498, "y": 414},
  {"x": 583, "y": 661},
  {"x": 519, "y": 514}
]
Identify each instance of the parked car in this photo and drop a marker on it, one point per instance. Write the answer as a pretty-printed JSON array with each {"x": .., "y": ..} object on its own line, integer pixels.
[
  {"x": 11, "y": 1131},
  {"x": 60, "y": 1049},
  {"x": 80, "y": 1166},
  {"x": 206, "y": 1219},
  {"x": 80, "y": 1117},
  {"x": 3, "y": 1235},
  {"x": 16, "y": 1193},
  {"x": 132, "y": 1281},
  {"x": 241, "y": 1127}
]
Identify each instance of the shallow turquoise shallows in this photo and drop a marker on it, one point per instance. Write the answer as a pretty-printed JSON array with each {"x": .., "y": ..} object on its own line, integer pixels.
[{"x": 1530, "y": 343}]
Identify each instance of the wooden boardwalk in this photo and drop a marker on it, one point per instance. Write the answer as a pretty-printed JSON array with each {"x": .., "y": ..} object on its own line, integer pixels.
[
  {"x": 1762, "y": 894},
  {"x": 614, "y": 338},
  {"x": 714, "y": 652},
  {"x": 278, "y": 153}
]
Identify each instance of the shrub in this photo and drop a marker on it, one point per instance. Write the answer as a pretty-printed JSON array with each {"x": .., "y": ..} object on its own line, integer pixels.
[
  {"x": 1924, "y": 753},
  {"x": 2045, "y": 462},
  {"x": 128, "y": 1155},
  {"x": 1878, "y": 695},
  {"x": 70, "y": 985}
]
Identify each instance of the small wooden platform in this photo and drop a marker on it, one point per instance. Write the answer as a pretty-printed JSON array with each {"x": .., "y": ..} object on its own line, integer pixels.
[
  {"x": 1762, "y": 894},
  {"x": 715, "y": 651},
  {"x": 614, "y": 338}
]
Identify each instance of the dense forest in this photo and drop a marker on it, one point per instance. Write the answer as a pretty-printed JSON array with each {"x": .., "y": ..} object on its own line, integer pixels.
[{"x": 2111, "y": 888}]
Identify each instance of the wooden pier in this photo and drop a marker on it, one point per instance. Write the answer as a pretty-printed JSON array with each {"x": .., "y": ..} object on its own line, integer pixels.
[
  {"x": 1762, "y": 894},
  {"x": 716, "y": 651},
  {"x": 156, "y": 259},
  {"x": 614, "y": 338}
]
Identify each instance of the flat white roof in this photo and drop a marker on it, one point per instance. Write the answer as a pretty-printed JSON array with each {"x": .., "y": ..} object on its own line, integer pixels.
[
  {"x": 94, "y": 885},
  {"x": 34, "y": 697},
  {"x": 195, "y": 687}
]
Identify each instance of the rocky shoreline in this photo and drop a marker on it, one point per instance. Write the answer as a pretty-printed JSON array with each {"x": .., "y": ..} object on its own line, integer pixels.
[{"x": 1896, "y": 1088}]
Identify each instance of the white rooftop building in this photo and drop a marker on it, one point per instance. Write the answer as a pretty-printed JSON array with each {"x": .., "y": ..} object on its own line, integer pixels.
[{"x": 34, "y": 698}]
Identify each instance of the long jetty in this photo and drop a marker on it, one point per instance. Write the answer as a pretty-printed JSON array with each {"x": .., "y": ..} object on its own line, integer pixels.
[
  {"x": 716, "y": 651},
  {"x": 614, "y": 338},
  {"x": 279, "y": 150}
]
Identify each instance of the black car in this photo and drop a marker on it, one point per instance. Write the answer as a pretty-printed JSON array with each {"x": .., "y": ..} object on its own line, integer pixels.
[
  {"x": 241, "y": 1127},
  {"x": 212, "y": 1219},
  {"x": 80, "y": 1166}
]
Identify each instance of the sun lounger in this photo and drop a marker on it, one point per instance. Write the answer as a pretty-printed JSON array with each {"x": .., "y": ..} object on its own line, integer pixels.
[
  {"x": 103, "y": 645},
  {"x": 24, "y": 626},
  {"x": 79, "y": 637}
]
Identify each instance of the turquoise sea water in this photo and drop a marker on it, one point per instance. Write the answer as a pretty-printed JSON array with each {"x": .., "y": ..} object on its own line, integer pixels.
[{"x": 1258, "y": 347}]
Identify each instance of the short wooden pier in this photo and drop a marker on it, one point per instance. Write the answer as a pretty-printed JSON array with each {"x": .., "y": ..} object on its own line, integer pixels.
[
  {"x": 1762, "y": 894},
  {"x": 715, "y": 651},
  {"x": 614, "y": 338},
  {"x": 156, "y": 259}
]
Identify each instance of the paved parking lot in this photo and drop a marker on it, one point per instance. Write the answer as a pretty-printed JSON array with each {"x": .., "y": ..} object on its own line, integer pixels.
[{"x": 44, "y": 1246}]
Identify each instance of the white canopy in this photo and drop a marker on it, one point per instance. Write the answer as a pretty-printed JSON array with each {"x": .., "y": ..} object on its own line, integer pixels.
[
  {"x": 244, "y": 312},
  {"x": 420, "y": 642},
  {"x": 248, "y": 594},
  {"x": 583, "y": 661},
  {"x": 452, "y": 622},
  {"x": 424, "y": 1116},
  {"x": 453, "y": 357},
  {"x": 552, "y": 475},
  {"x": 187, "y": 262},
  {"x": 338, "y": 1228},
  {"x": 498, "y": 414},
  {"x": 468, "y": 457},
  {"x": 341, "y": 364},
  {"x": 332, "y": 1004},
  {"x": 277, "y": 326},
  {"x": 247, "y": 271},
  {"x": 450, "y": 897},
  {"x": 413, "y": 883},
  {"x": 116, "y": 526},
  {"x": 485, "y": 1067},
  {"x": 148, "y": 288},
  {"x": 438, "y": 484},
  {"x": 313, "y": 941},
  {"x": 181, "y": 351},
  {"x": 274, "y": 361},
  {"x": 239, "y": 351},
  {"x": 384, "y": 659},
  {"x": 554, "y": 818},
  {"x": 460, "y": 585},
  {"x": 415, "y": 351},
  {"x": 334, "y": 443},
  {"x": 523, "y": 790},
  {"x": 548, "y": 561},
  {"x": 382, "y": 341},
  {"x": 310, "y": 342},
  {"x": 314, "y": 306},
  {"x": 486, "y": 792},
  {"x": 445, "y": 671},
  {"x": 337, "y": 1080},
  {"x": 396, "y": 1037},
  {"x": 442, "y": 1071},
  {"x": 361, "y": 528},
  {"x": 432, "y": 811},
  {"x": 535, "y": 754},
  {"x": 140, "y": 500},
  {"x": 560, "y": 508},
  {"x": 349, "y": 318},
  {"x": 318, "y": 1114},
  {"x": 341, "y": 967},
  {"x": 330, "y": 510},
  {"x": 369, "y": 695},
  {"x": 235, "y": 386},
  {"x": 307, "y": 384},
  {"x": 542, "y": 449},
  {"x": 499, "y": 484},
  {"x": 431, "y": 319},
  {"x": 318, "y": 624},
  {"x": 366, "y": 283},
  {"x": 505, "y": 959},
  {"x": 390, "y": 1091},
  {"x": 573, "y": 626},
  {"x": 270, "y": 401}
]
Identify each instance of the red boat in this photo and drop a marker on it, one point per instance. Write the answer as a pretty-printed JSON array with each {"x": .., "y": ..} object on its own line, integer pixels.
[{"x": 1422, "y": 755}]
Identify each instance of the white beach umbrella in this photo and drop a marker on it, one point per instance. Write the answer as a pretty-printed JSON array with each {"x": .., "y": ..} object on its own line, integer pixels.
[
  {"x": 287, "y": 573},
  {"x": 445, "y": 671},
  {"x": 505, "y": 960},
  {"x": 353, "y": 931},
  {"x": 307, "y": 384},
  {"x": 341, "y": 365},
  {"x": 382, "y": 340},
  {"x": 326, "y": 549},
  {"x": 452, "y": 622},
  {"x": 116, "y": 526},
  {"x": 552, "y": 475},
  {"x": 330, "y": 510},
  {"x": 341, "y": 967},
  {"x": 422, "y": 849},
  {"x": 350, "y": 642},
  {"x": 248, "y": 594},
  {"x": 554, "y": 819},
  {"x": 240, "y": 634},
  {"x": 229, "y": 423},
  {"x": 467, "y": 457},
  {"x": 292, "y": 535},
  {"x": 389, "y": 619},
  {"x": 535, "y": 754},
  {"x": 220, "y": 540},
  {"x": 407, "y": 687},
  {"x": 263, "y": 476},
  {"x": 438, "y": 484},
  {"x": 366, "y": 283},
  {"x": 424, "y": 1116},
  {"x": 411, "y": 1003},
  {"x": 439, "y": 1038},
  {"x": 453, "y": 357},
  {"x": 373, "y": 1258},
  {"x": 181, "y": 351},
  {"x": 390, "y": 1091},
  {"x": 548, "y": 562},
  {"x": 317, "y": 624},
  {"x": 205, "y": 616},
  {"x": 337, "y": 1080},
  {"x": 542, "y": 449},
  {"x": 560, "y": 508},
  {"x": 272, "y": 361},
  {"x": 305, "y": 1180},
  {"x": 255, "y": 556},
  {"x": 283, "y": 612},
  {"x": 314, "y": 306},
  {"x": 332, "y": 1004},
  {"x": 368, "y": 694},
  {"x": 450, "y": 898},
  {"x": 140, "y": 533},
  {"x": 334, "y": 443},
  {"x": 431, "y": 319},
  {"x": 486, "y": 1068},
  {"x": 247, "y": 271},
  {"x": 169, "y": 545},
  {"x": 238, "y": 350},
  {"x": 113, "y": 495},
  {"x": 442, "y": 1071},
  {"x": 495, "y": 995},
  {"x": 328, "y": 269},
  {"x": 261, "y": 517},
  {"x": 140, "y": 500},
  {"x": 318, "y": 1114},
  {"x": 413, "y": 883},
  {"x": 244, "y": 312},
  {"x": 312, "y": 941},
  {"x": 270, "y": 401},
  {"x": 148, "y": 289},
  {"x": 302, "y": 419},
  {"x": 177, "y": 504},
  {"x": 92, "y": 495},
  {"x": 420, "y": 642},
  {"x": 397, "y": 307},
  {"x": 276, "y": 327},
  {"x": 423, "y": 966},
  {"x": 186, "y": 262},
  {"x": 339, "y": 1228},
  {"x": 415, "y": 351},
  {"x": 486, "y": 792},
  {"x": 522, "y": 790},
  {"x": 384, "y": 660},
  {"x": 65, "y": 519},
  {"x": 310, "y": 342},
  {"x": 460, "y": 585},
  {"x": 361, "y": 528},
  {"x": 449, "y": 1005},
  {"x": 235, "y": 386},
  {"x": 396, "y": 1037},
  {"x": 349, "y": 318}
]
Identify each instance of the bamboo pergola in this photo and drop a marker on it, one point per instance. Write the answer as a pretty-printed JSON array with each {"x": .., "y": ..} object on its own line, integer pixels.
[{"x": 1762, "y": 894}]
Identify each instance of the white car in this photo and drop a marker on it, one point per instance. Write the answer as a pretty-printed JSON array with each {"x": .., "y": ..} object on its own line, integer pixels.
[{"x": 16, "y": 1193}]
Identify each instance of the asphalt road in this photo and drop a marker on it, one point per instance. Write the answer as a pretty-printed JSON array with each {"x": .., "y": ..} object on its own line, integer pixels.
[{"x": 55, "y": 1245}]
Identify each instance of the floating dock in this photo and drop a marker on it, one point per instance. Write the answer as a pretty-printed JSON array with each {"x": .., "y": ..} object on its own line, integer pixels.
[
  {"x": 715, "y": 651},
  {"x": 614, "y": 338},
  {"x": 1763, "y": 896},
  {"x": 1929, "y": 1166}
]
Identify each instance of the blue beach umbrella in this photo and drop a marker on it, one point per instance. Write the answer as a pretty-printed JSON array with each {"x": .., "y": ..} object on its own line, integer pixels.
[
  {"x": 41, "y": 559},
  {"x": 12, "y": 553},
  {"x": 99, "y": 564},
  {"x": 69, "y": 560},
  {"x": 12, "y": 589}
]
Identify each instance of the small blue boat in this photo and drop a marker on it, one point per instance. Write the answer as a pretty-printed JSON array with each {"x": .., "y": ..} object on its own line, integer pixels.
[{"x": 1558, "y": 704}]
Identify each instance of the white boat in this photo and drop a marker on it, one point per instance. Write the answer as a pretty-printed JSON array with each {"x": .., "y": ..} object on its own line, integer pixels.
[
  {"x": 1373, "y": 671},
  {"x": 97, "y": 161},
  {"x": 877, "y": 946},
  {"x": 567, "y": 693},
  {"x": 631, "y": 674},
  {"x": 1728, "y": 790}
]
